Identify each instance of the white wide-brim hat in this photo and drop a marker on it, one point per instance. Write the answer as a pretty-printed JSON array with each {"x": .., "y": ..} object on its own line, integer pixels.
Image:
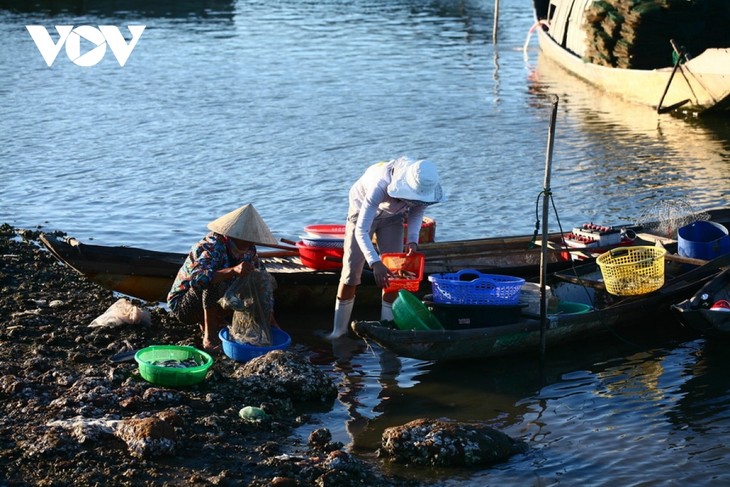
[
  {"x": 416, "y": 181},
  {"x": 244, "y": 224}
]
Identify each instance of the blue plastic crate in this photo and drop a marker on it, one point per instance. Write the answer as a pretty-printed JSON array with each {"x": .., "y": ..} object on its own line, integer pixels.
[{"x": 469, "y": 286}]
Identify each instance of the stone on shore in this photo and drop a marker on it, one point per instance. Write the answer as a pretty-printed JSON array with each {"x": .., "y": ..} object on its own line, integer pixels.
[
  {"x": 285, "y": 374},
  {"x": 447, "y": 443},
  {"x": 145, "y": 437}
]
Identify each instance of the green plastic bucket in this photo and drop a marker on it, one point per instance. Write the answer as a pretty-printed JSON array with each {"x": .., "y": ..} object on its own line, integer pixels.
[{"x": 409, "y": 313}]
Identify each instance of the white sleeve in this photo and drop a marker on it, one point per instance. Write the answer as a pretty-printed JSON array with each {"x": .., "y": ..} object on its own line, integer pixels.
[
  {"x": 415, "y": 220},
  {"x": 368, "y": 212}
]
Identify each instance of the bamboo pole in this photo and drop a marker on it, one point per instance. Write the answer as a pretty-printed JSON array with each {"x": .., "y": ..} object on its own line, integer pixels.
[
  {"x": 545, "y": 209},
  {"x": 496, "y": 21}
]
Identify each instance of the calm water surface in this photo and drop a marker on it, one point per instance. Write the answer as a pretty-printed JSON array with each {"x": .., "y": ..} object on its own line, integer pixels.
[{"x": 284, "y": 104}]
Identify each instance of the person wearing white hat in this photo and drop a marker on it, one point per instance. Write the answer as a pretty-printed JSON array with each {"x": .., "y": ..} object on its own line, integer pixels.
[
  {"x": 227, "y": 252},
  {"x": 379, "y": 203}
]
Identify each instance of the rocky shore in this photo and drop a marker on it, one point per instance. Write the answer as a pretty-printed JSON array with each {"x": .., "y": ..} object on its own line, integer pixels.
[{"x": 72, "y": 416}]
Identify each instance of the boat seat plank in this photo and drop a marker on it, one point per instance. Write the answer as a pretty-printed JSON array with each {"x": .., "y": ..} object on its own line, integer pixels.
[{"x": 656, "y": 239}]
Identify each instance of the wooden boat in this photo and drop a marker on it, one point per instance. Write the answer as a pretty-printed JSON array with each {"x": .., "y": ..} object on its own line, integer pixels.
[
  {"x": 148, "y": 274},
  {"x": 695, "y": 82},
  {"x": 581, "y": 285},
  {"x": 696, "y": 312}
]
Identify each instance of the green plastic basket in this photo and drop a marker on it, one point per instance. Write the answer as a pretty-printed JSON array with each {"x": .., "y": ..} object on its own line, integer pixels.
[
  {"x": 409, "y": 313},
  {"x": 172, "y": 376}
]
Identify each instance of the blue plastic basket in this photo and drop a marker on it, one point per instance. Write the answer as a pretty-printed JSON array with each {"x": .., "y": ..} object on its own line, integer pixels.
[
  {"x": 469, "y": 286},
  {"x": 242, "y": 352}
]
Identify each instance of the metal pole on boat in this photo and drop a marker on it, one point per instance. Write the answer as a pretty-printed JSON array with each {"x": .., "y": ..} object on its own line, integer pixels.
[
  {"x": 546, "y": 193},
  {"x": 496, "y": 21}
]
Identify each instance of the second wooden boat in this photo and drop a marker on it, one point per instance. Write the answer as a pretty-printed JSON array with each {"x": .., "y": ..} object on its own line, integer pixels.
[
  {"x": 695, "y": 78},
  {"x": 601, "y": 312}
]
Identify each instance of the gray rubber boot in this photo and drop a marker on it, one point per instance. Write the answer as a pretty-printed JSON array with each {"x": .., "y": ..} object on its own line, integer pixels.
[{"x": 343, "y": 312}]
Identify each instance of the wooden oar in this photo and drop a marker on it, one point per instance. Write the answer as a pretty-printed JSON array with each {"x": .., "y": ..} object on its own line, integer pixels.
[
  {"x": 674, "y": 106},
  {"x": 684, "y": 260},
  {"x": 702, "y": 272},
  {"x": 291, "y": 246},
  {"x": 659, "y": 108},
  {"x": 276, "y": 246},
  {"x": 686, "y": 68}
]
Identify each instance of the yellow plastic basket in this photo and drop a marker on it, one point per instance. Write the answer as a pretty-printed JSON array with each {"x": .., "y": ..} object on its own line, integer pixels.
[{"x": 628, "y": 271}]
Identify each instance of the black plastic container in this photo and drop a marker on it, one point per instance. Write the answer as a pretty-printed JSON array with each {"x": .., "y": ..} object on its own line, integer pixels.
[{"x": 464, "y": 316}]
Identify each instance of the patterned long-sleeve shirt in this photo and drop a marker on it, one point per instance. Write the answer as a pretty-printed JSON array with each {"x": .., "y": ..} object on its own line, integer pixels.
[{"x": 212, "y": 253}]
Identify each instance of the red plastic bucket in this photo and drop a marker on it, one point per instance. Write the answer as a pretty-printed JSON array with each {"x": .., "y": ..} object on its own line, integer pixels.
[
  {"x": 320, "y": 258},
  {"x": 427, "y": 233}
]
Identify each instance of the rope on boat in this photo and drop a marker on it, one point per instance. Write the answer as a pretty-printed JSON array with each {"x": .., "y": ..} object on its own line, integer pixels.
[
  {"x": 549, "y": 194},
  {"x": 541, "y": 22}
]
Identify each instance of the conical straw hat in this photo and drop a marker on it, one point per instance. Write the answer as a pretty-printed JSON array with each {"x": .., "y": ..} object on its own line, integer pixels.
[{"x": 244, "y": 224}]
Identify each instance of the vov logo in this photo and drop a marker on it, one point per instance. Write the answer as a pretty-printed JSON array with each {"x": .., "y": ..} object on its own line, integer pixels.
[{"x": 70, "y": 36}]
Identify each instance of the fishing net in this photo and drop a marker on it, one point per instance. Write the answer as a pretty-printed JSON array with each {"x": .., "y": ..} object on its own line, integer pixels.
[
  {"x": 636, "y": 34},
  {"x": 666, "y": 217},
  {"x": 250, "y": 298}
]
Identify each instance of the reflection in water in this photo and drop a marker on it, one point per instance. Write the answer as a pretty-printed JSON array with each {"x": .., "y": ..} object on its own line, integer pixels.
[
  {"x": 353, "y": 381},
  {"x": 704, "y": 397},
  {"x": 641, "y": 406},
  {"x": 400, "y": 390},
  {"x": 628, "y": 151},
  {"x": 630, "y": 397},
  {"x": 357, "y": 384},
  {"x": 364, "y": 376},
  {"x": 638, "y": 378}
]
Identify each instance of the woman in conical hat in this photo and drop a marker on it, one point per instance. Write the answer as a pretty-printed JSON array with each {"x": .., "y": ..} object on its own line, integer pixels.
[
  {"x": 227, "y": 252},
  {"x": 378, "y": 204}
]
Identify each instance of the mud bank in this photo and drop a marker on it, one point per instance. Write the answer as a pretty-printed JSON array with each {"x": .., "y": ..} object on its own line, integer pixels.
[{"x": 56, "y": 369}]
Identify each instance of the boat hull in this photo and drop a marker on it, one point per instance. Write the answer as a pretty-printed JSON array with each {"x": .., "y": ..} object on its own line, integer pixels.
[
  {"x": 609, "y": 313},
  {"x": 149, "y": 275}
]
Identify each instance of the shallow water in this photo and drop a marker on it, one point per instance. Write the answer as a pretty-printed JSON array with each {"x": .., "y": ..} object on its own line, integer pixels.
[{"x": 284, "y": 104}]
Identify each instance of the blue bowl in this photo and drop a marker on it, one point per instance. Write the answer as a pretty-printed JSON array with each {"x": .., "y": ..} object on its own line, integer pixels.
[{"x": 241, "y": 352}]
